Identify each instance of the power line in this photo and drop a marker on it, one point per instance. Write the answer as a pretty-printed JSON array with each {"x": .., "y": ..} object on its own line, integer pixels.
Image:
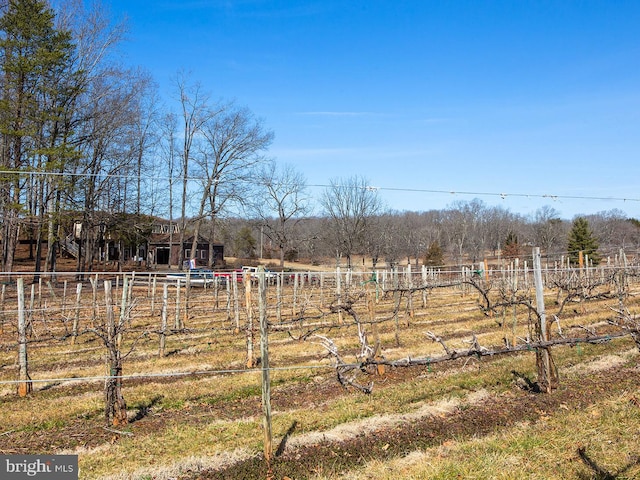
[{"x": 502, "y": 195}]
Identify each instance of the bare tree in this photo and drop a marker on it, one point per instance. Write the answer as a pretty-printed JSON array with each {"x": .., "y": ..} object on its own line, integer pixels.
[
  {"x": 614, "y": 230},
  {"x": 95, "y": 36},
  {"x": 350, "y": 204},
  {"x": 549, "y": 231},
  {"x": 233, "y": 141},
  {"x": 107, "y": 162},
  {"x": 169, "y": 149},
  {"x": 281, "y": 195},
  {"x": 195, "y": 114}
]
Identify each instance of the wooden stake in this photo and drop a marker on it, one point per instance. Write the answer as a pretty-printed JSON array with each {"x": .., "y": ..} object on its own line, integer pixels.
[
  {"x": 546, "y": 377},
  {"x": 76, "y": 318},
  {"x": 163, "y": 327},
  {"x": 246, "y": 278},
  {"x": 25, "y": 386},
  {"x": 264, "y": 356}
]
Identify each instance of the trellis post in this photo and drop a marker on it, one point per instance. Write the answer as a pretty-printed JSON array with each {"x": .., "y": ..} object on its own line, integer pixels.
[
  {"x": 546, "y": 375},
  {"x": 24, "y": 386},
  {"x": 264, "y": 357}
]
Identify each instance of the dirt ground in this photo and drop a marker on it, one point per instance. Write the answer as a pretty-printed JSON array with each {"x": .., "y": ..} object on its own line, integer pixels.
[
  {"x": 329, "y": 458},
  {"x": 332, "y": 458},
  {"x": 476, "y": 421}
]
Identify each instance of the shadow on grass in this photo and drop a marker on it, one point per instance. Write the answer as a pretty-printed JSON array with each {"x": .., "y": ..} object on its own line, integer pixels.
[
  {"x": 599, "y": 473},
  {"x": 525, "y": 383},
  {"x": 49, "y": 386},
  {"x": 283, "y": 442},
  {"x": 145, "y": 409}
]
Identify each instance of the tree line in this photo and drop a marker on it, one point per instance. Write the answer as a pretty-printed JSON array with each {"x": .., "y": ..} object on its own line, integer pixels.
[
  {"x": 462, "y": 233},
  {"x": 88, "y": 148}
]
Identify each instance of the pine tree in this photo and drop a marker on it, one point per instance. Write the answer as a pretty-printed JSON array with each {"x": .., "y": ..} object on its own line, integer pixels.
[
  {"x": 511, "y": 247},
  {"x": 434, "y": 257},
  {"x": 32, "y": 56},
  {"x": 582, "y": 239}
]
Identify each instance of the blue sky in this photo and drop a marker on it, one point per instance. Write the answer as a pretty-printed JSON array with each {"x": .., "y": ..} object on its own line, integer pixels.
[{"x": 421, "y": 97}]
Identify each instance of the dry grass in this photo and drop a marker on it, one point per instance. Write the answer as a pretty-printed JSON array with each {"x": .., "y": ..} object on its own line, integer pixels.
[
  {"x": 211, "y": 419},
  {"x": 547, "y": 449}
]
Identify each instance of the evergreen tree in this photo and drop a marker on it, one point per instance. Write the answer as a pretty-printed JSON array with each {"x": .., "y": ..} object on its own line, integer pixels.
[
  {"x": 245, "y": 243},
  {"x": 434, "y": 256},
  {"x": 33, "y": 54},
  {"x": 582, "y": 239},
  {"x": 511, "y": 247}
]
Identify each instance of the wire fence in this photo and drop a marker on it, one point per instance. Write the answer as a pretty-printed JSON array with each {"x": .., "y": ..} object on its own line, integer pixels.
[{"x": 299, "y": 305}]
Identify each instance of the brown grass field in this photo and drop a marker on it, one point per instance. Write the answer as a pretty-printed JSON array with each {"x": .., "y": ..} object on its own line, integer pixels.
[{"x": 196, "y": 412}]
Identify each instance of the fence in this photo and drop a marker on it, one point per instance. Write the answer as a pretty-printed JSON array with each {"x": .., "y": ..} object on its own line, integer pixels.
[{"x": 354, "y": 315}]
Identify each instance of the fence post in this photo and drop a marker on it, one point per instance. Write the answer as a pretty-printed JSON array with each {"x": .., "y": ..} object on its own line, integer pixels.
[
  {"x": 409, "y": 276},
  {"x": 163, "y": 326},
  {"x": 2, "y": 296},
  {"x": 94, "y": 298},
  {"x": 153, "y": 295},
  {"x": 25, "y": 386},
  {"x": 279, "y": 281},
  {"x": 246, "y": 278},
  {"x": 76, "y": 318},
  {"x": 339, "y": 293},
  {"x": 176, "y": 324},
  {"x": 264, "y": 356},
  {"x": 546, "y": 375},
  {"x": 64, "y": 296},
  {"x": 396, "y": 304}
]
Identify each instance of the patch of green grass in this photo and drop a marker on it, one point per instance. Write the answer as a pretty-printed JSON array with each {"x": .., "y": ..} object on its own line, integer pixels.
[{"x": 51, "y": 424}]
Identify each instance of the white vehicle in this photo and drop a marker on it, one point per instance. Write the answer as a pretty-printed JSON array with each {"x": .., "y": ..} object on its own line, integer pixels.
[
  {"x": 197, "y": 276},
  {"x": 253, "y": 271}
]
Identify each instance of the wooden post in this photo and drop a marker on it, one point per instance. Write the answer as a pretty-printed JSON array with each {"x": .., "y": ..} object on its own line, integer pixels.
[
  {"x": 514, "y": 288},
  {"x": 246, "y": 278},
  {"x": 236, "y": 301},
  {"x": 424, "y": 284},
  {"x": 124, "y": 314},
  {"x": 409, "y": 276},
  {"x": 296, "y": 282},
  {"x": 216, "y": 293},
  {"x": 25, "y": 385},
  {"x": 187, "y": 298},
  {"x": 76, "y": 318},
  {"x": 2, "y": 295},
  {"x": 94, "y": 298},
  {"x": 546, "y": 377},
  {"x": 163, "y": 326},
  {"x": 153, "y": 295},
  {"x": 64, "y": 296},
  {"x": 279, "y": 298},
  {"x": 339, "y": 293},
  {"x": 228, "y": 289},
  {"x": 176, "y": 323},
  {"x": 264, "y": 356},
  {"x": 32, "y": 300},
  {"x": 40, "y": 292},
  {"x": 396, "y": 304}
]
